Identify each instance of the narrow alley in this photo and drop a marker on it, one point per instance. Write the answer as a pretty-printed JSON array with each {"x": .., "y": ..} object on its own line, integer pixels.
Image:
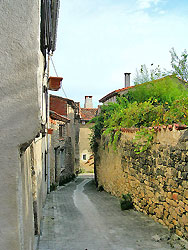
[{"x": 78, "y": 217}]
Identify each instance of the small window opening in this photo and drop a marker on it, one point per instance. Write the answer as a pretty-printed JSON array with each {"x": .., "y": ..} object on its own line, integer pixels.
[
  {"x": 84, "y": 157},
  {"x": 60, "y": 131}
]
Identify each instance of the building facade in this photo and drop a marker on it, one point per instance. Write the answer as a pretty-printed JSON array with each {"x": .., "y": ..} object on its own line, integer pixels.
[
  {"x": 86, "y": 115},
  {"x": 64, "y": 114},
  {"x": 28, "y": 35},
  {"x": 111, "y": 97}
]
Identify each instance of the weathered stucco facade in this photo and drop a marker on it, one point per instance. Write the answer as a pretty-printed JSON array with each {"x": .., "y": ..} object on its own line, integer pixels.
[
  {"x": 86, "y": 154},
  {"x": 23, "y": 110},
  {"x": 156, "y": 179}
]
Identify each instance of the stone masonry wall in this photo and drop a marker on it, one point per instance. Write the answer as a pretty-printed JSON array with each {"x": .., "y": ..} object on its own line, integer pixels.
[{"x": 156, "y": 179}]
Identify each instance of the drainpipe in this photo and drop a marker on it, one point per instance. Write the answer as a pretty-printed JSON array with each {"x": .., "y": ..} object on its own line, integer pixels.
[{"x": 48, "y": 126}]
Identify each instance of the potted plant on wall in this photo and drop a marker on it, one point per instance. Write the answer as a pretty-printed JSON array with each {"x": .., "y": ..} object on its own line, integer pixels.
[{"x": 50, "y": 131}]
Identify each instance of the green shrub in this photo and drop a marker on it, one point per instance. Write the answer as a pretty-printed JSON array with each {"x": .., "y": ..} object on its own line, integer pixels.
[{"x": 126, "y": 202}]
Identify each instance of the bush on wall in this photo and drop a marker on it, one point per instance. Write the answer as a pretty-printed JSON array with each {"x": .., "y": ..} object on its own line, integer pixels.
[{"x": 160, "y": 102}]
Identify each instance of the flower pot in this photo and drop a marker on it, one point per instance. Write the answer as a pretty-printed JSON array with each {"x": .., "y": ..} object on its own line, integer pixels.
[
  {"x": 55, "y": 83},
  {"x": 50, "y": 131}
]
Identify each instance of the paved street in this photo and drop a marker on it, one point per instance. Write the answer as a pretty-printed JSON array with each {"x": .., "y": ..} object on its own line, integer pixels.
[{"x": 78, "y": 217}]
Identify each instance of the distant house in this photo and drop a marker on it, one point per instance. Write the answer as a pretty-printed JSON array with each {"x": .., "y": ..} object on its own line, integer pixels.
[
  {"x": 64, "y": 114},
  {"x": 86, "y": 114},
  {"x": 58, "y": 124},
  {"x": 111, "y": 97}
]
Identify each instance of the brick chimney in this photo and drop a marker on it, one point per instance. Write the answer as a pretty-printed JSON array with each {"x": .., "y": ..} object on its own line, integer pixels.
[
  {"x": 88, "y": 102},
  {"x": 127, "y": 79}
]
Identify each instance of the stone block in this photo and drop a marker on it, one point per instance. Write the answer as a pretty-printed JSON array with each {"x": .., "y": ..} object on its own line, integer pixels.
[
  {"x": 185, "y": 219},
  {"x": 173, "y": 213},
  {"x": 159, "y": 211},
  {"x": 172, "y": 202},
  {"x": 186, "y": 194},
  {"x": 165, "y": 213},
  {"x": 185, "y": 175},
  {"x": 166, "y": 205},
  {"x": 179, "y": 233},
  {"x": 166, "y": 222},
  {"x": 169, "y": 195},
  {"x": 175, "y": 222},
  {"x": 162, "y": 222},
  {"x": 175, "y": 196},
  {"x": 162, "y": 198},
  {"x": 179, "y": 210},
  {"x": 143, "y": 202},
  {"x": 171, "y": 226}
]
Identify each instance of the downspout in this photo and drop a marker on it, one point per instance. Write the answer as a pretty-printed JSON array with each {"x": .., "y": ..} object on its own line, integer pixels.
[{"x": 48, "y": 135}]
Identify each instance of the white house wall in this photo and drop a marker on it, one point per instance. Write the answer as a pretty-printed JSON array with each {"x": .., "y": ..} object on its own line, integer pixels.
[{"x": 20, "y": 111}]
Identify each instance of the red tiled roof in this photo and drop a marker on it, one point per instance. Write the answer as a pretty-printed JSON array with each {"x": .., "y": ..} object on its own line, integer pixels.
[
  {"x": 56, "y": 116},
  {"x": 87, "y": 114},
  {"x": 157, "y": 128},
  {"x": 113, "y": 93},
  {"x": 58, "y": 104}
]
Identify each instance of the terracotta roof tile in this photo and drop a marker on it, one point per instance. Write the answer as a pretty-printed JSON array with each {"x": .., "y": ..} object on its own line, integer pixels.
[
  {"x": 113, "y": 93},
  {"x": 88, "y": 113},
  {"x": 56, "y": 116}
]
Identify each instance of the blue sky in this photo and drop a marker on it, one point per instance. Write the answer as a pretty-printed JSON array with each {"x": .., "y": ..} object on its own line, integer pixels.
[{"x": 99, "y": 40}]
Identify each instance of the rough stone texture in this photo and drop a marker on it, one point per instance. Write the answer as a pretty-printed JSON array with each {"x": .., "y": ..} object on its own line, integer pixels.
[
  {"x": 56, "y": 149},
  {"x": 61, "y": 154},
  {"x": 73, "y": 132},
  {"x": 64, "y": 148},
  {"x": 156, "y": 179}
]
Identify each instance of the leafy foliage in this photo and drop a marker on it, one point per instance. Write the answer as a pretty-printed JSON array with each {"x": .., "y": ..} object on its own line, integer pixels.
[
  {"x": 163, "y": 90},
  {"x": 180, "y": 64},
  {"x": 163, "y": 101},
  {"x": 126, "y": 202},
  {"x": 146, "y": 75}
]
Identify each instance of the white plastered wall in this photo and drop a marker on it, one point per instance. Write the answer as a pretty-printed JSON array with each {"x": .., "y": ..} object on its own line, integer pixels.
[{"x": 20, "y": 92}]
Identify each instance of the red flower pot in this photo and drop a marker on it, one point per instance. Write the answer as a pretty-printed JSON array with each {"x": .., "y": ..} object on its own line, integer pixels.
[
  {"x": 55, "y": 83},
  {"x": 50, "y": 131}
]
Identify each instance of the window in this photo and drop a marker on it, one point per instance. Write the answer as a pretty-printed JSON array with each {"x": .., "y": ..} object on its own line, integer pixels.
[
  {"x": 60, "y": 131},
  {"x": 84, "y": 157}
]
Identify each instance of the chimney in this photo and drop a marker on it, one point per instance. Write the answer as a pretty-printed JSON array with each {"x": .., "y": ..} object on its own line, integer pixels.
[
  {"x": 127, "y": 79},
  {"x": 88, "y": 102}
]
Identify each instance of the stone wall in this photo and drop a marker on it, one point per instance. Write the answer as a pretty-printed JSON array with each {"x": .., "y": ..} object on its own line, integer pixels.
[
  {"x": 64, "y": 149},
  {"x": 56, "y": 146},
  {"x": 156, "y": 179},
  {"x": 73, "y": 132}
]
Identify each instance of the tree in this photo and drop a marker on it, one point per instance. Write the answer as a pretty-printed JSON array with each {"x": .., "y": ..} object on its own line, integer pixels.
[
  {"x": 147, "y": 75},
  {"x": 180, "y": 64}
]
